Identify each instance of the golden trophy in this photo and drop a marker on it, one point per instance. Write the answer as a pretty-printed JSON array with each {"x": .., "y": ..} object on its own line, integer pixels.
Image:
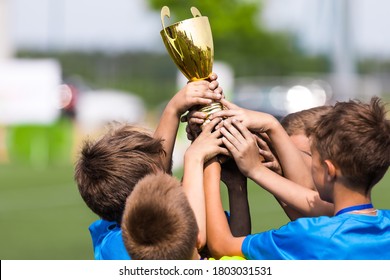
[{"x": 190, "y": 45}]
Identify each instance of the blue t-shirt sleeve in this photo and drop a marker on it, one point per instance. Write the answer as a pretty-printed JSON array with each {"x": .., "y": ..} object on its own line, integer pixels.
[
  {"x": 261, "y": 246},
  {"x": 107, "y": 241},
  {"x": 284, "y": 243},
  {"x": 113, "y": 247},
  {"x": 343, "y": 237}
]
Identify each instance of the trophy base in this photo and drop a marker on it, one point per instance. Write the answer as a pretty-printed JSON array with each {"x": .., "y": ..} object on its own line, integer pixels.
[{"x": 211, "y": 109}]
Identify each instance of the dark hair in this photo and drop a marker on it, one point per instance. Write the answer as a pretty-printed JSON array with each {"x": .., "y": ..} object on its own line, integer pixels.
[
  {"x": 109, "y": 168},
  {"x": 355, "y": 136},
  {"x": 158, "y": 221}
]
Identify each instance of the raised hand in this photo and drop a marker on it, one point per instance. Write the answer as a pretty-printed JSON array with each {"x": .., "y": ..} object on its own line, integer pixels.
[
  {"x": 270, "y": 159},
  {"x": 242, "y": 145},
  {"x": 253, "y": 120},
  {"x": 197, "y": 93},
  {"x": 208, "y": 144}
]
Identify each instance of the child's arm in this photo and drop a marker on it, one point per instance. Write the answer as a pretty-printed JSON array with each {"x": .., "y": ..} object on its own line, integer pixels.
[
  {"x": 242, "y": 145},
  {"x": 207, "y": 145},
  {"x": 194, "y": 93},
  {"x": 272, "y": 163},
  {"x": 289, "y": 156},
  {"x": 236, "y": 183},
  {"x": 220, "y": 240}
]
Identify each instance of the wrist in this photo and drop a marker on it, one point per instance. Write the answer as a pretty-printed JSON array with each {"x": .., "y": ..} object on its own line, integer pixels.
[
  {"x": 254, "y": 171},
  {"x": 173, "y": 109},
  {"x": 191, "y": 157}
]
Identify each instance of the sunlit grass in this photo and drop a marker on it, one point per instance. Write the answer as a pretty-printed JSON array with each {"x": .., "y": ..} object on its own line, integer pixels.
[{"x": 42, "y": 215}]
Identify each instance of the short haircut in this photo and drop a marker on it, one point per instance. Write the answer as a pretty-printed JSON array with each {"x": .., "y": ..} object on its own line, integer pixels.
[
  {"x": 158, "y": 221},
  {"x": 355, "y": 136},
  {"x": 108, "y": 169},
  {"x": 298, "y": 122}
]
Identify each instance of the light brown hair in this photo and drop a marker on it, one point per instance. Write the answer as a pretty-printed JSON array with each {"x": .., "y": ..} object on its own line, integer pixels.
[
  {"x": 158, "y": 221},
  {"x": 355, "y": 136},
  {"x": 108, "y": 169},
  {"x": 298, "y": 122}
]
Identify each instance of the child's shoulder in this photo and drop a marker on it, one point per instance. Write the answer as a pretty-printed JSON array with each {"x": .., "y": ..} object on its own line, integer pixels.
[{"x": 384, "y": 212}]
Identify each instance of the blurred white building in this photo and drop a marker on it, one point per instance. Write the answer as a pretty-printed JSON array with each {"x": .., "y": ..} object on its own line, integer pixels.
[{"x": 95, "y": 109}]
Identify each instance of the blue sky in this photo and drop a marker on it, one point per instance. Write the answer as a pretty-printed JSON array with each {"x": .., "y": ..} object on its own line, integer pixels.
[{"x": 111, "y": 25}]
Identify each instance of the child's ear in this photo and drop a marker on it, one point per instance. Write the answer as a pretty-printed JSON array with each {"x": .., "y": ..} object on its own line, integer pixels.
[{"x": 331, "y": 170}]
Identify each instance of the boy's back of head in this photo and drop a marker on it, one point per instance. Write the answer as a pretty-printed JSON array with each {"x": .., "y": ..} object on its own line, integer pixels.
[
  {"x": 108, "y": 169},
  {"x": 158, "y": 221},
  {"x": 355, "y": 136},
  {"x": 299, "y": 122}
]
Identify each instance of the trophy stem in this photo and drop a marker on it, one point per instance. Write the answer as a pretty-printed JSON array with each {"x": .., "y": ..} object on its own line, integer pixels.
[{"x": 211, "y": 109}]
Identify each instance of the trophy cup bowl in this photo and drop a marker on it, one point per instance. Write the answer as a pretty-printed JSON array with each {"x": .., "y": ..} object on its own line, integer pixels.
[{"x": 190, "y": 45}]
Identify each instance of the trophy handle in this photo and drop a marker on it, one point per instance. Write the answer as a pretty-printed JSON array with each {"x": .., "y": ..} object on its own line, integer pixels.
[
  {"x": 195, "y": 12},
  {"x": 166, "y": 13}
]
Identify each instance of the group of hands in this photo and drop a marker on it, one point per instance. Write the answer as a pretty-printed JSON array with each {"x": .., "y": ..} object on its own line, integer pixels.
[{"x": 233, "y": 132}]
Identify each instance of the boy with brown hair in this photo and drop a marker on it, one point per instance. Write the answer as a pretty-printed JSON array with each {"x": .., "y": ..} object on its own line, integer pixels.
[
  {"x": 158, "y": 222},
  {"x": 163, "y": 219},
  {"x": 350, "y": 148},
  {"x": 288, "y": 161},
  {"x": 108, "y": 168},
  {"x": 297, "y": 125}
]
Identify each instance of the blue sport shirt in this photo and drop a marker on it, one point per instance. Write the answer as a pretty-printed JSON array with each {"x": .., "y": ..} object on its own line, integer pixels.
[
  {"x": 343, "y": 237},
  {"x": 107, "y": 241}
]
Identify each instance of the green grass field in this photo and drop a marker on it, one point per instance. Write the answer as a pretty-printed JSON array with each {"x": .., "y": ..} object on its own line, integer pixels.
[{"x": 42, "y": 216}]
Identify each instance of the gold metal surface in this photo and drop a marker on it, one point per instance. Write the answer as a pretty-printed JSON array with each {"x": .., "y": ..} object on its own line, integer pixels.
[{"x": 190, "y": 45}]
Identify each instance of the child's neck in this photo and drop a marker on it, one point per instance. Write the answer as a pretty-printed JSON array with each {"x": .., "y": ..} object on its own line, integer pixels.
[{"x": 345, "y": 197}]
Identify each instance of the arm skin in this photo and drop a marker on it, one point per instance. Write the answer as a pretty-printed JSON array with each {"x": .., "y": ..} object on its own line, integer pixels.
[
  {"x": 194, "y": 93},
  {"x": 240, "y": 220},
  {"x": 289, "y": 156},
  {"x": 236, "y": 183},
  {"x": 272, "y": 163},
  {"x": 242, "y": 145},
  {"x": 220, "y": 240},
  {"x": 206, "y": 146}
]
